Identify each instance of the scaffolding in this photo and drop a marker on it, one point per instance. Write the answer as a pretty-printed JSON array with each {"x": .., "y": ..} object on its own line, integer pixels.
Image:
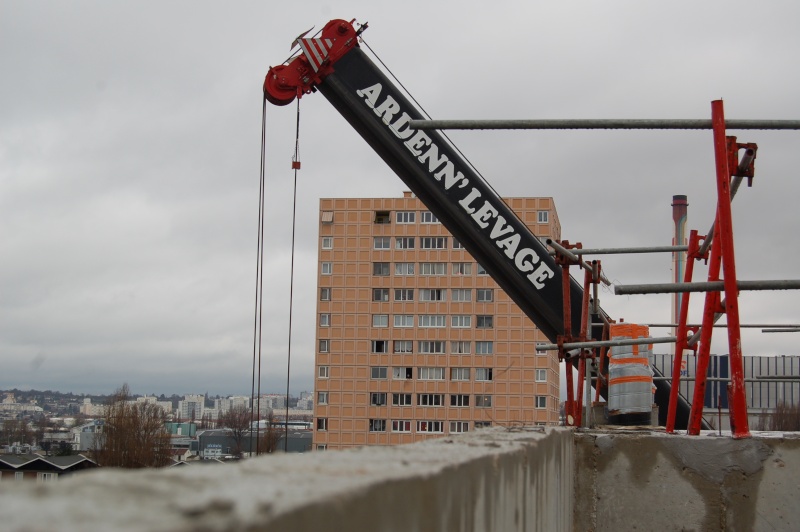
[{"x": 721, "y": 288}]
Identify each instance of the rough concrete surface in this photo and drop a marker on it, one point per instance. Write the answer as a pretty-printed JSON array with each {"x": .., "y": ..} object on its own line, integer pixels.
[
  {"x": 488, "y": 480},
  {"x": 653, "y": 481}
]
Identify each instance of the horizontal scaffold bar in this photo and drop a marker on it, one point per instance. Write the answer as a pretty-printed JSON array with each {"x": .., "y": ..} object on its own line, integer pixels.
[
  {"x": 612, "y": 123},
  {"x": 623, "y": 251},
  {"x": 711, "y": 286},
  {"x": 607, "y": 343}
]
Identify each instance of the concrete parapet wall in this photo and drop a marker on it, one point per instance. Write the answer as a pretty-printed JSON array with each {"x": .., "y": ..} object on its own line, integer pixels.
[
  {"x": 652, "y": 481},
  {"x": 493, "y": 479}
]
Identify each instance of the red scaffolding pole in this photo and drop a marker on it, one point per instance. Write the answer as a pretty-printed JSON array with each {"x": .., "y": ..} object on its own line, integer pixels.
[{"x": 722, "y": 257}]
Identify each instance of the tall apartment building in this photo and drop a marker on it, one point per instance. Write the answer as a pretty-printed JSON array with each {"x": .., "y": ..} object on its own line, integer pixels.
[
  {"x": 191, "y": 407},
  {"x": 414, "y": 339}
]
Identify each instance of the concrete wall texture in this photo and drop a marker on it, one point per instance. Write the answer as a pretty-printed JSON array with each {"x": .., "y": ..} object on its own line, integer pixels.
[
  {"x": 651, "y": 481},
  {"x": 494, "y": 479}
]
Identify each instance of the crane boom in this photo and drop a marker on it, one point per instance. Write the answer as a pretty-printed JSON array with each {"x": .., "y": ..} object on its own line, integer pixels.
[{"x": 433, "y": 170}]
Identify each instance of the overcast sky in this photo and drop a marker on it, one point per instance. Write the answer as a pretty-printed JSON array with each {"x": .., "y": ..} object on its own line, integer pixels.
[{"x": 129, "y": 165}]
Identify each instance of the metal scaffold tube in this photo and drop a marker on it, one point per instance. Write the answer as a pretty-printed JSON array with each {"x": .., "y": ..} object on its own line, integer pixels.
[
  {"x": 626, "y": 251},
  {"x": 574, "y": 258},
  {"x": 611, "y": 123},
  {"x": 708, "y": 286},
  {"x": 606, "y": 343}
]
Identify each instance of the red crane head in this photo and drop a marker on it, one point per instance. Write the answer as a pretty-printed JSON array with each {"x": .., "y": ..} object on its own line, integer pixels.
[{"x": 318, "y": 55}]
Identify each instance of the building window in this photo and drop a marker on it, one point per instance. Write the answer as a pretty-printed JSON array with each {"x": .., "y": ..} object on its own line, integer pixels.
[
  {"x": 427, "y": 217},
  {"x": 324, "y": 294},
  {"x": 462, "y": 322},
  {"x": 381, "y": 242},
  {"x": 323, "y": 372},
  {"x": 322, "y": 423},
  {"x": 322, "y": 398},
  {"x": 324, "y": 346},
  {"x": 457, "y": 244},
  {"x": 324, "y": 320},
  {"x": 326, "y": 217},
  {"x": 321, "y": 446},
  {"x": 327, "y": 242},
  {"x": 327, "y": 268},
  {"x": 541, "y": 401},
  {"x": 541, "y": 375},
  {"x": 542, "y": 217},
  {"x": 403, "y": 320},
  {"x": 431, "y": 347},
  {"x": 482, "y": 424},
  {"x": 462, "y": 268},
  {"x": 483, "y": 374},
  {"x": 380, "y": 346},
  {"x": 459, "y": 374},
  {"x": 380, "y": 320},
  {"x": 403, "y": 346},
  {"x": 429, "y": 426},
  {"x": 380, "y": 268},
  {"x": 484, "y": 322},
  {"x": 399, "y": 425},
  {"x": 19, "y": 475},
  {"x": 483, "y": 401},
  {"x": 404, "y": 242},
  {"x": 380, "y": 294},
  {"x": 378, "y": 372},
  {"x": 433, "y": 242},
  {"x": 46, "y": 477},
  {"x": 459, "y": 400},
  {"x": 377, "y": 399},
  {"x": 377, "y": 425},
  {"x": 432, "y": 320},
  {"x": 461, "y": 294},
  {"x": 406, "y": 217},
  {"x": 460, "y": 347},
  {"x": 383, "y": 217},
  {"x": 401, "y": 399},
  {"x": 430, "y": 399},
  {"x": 430, "y": 374},
  {"x": 432, "y": 294},
  {"x": 482, "y": 270},
  {"x": 484, "y": 295},
  {"x": 400, "y": 374},
  {"x": 459, "y": 426},
  {"x": 404, "y": 294},
  {"x": 432, "y": 268},
  {"x": 404, "y": 268}
]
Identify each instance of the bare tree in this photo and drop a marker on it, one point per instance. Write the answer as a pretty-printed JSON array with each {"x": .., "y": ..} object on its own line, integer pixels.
[
  {"x": 271, "y": 435},
  {"x": 133, "y": 435},
  {"x": 16, "y": 431},
  {"x": 785, "y": 418},
  {"x": 237, "y": 421}
]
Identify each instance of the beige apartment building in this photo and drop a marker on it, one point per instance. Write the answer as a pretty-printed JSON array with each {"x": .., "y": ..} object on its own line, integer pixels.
[{"x": 414, "y": 339}]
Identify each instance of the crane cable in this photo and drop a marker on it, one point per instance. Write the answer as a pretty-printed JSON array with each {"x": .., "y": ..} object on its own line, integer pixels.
[
  {"x": 255, "y": 400},
  {"x": 295, "y": 167}
]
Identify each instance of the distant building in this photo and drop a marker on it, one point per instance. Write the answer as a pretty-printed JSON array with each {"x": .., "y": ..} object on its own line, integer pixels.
[
  {"x": 192, "y": 407},
  {"x": 33, "y": 467},
  {"x": 414, "y": 338},
  {"x": 181, "y": 429},
  {"x": 305, "y": 404},
  {"x": 226, "y": 404},
  {"x": 89, "y": 409},
  {"x": 153, "y": 400},
  {"x": 83, "y": 436}
]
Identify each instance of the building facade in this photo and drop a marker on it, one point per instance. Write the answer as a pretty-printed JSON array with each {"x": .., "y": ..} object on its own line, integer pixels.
[{"x": 414, "y": 339}]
